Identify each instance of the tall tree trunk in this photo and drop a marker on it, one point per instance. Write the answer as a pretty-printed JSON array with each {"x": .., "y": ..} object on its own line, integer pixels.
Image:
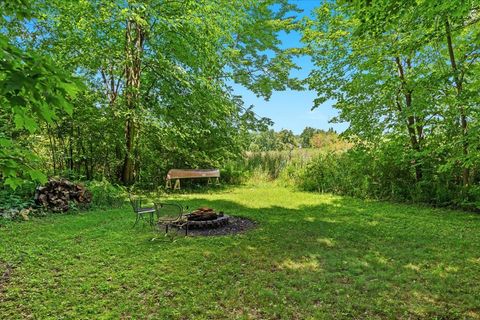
[
  {"x": 459, "y": 89},
  {"x": 414, "y": 128},
  {"x": 128, "y": 165},
  {"x": 135, "y": 37}
]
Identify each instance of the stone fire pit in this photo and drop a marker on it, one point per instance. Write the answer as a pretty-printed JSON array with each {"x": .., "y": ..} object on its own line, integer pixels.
[
  {"x": 206, "y": 218},
  {"x": 208, "y": 222}
]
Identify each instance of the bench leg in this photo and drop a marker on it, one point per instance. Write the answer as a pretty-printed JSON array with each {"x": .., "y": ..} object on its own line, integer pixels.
[
  {"x": 177, "y": 185},
  {"x": 168, "y": 184}
]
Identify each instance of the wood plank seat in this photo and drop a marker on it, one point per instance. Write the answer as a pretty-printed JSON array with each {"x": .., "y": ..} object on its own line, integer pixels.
[{"x": 177, "y": 174}]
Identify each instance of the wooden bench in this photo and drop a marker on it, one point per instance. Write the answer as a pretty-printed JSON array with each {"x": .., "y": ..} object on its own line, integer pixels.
[{"x": 177, "y": 174}]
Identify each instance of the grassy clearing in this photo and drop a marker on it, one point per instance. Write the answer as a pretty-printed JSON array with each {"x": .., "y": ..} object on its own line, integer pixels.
[{"x": 312, "y": 257}]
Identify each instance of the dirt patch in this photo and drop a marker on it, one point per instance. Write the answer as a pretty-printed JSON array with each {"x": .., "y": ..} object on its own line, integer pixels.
[{"x": 235, "y": 225}]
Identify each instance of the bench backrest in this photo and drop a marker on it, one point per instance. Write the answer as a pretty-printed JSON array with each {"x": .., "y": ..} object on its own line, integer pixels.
[{"x": 193, "y": 173}]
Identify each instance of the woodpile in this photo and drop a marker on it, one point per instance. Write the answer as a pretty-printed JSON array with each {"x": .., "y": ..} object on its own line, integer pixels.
[
  {"x": 59, "y": 195},
  {"x": 204, "y": 214}
]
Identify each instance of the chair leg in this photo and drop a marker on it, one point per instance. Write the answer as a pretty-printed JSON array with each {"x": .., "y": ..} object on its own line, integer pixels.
[{"x": 136, "y": 220}]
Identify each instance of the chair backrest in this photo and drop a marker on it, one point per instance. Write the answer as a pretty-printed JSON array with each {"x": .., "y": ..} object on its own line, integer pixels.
[
  {"x": 168, "y": 211},
  {"x": 136, "y": 202}
]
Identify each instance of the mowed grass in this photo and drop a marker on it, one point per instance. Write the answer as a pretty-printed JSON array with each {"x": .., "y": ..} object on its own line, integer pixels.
[{"x": 311, "y": 257}]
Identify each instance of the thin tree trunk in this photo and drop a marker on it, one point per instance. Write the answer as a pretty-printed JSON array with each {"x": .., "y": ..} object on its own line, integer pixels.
[
  {"x": 63, "y": 156},
  {"x": 127, "y": 171},
  {"x": 459, "y": 89},
  {"x": 414, "y": 128},
  {"x": 52, "y": 148},
  {"x": 90, "y": 176},
  {"x": 70, "y": 147},
  {"x": 84, "y": 156},
  {"x": 135, "y": 38},
  {"x": 78, "y": 163}
]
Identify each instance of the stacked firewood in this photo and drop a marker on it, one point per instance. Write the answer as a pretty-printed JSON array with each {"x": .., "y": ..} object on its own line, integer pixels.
[
  {"x": 204, "y": 214},
  {"x": 59, "y": 195}
]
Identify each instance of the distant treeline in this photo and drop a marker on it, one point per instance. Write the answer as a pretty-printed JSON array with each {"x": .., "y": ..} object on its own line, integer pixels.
[{"x": 285, "y": 139}]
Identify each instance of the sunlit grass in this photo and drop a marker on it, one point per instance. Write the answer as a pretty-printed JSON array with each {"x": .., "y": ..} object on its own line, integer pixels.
[{"x": 311, "y": 257}]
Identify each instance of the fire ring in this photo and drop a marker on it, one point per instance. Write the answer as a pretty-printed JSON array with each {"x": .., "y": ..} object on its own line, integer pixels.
[
  {"x": 208, "y": 224},
  {"x": 206, "y": 218}
]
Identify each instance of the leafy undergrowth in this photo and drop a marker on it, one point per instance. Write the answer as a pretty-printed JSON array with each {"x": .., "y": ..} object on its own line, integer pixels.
[{"x": 311, "y": 257}]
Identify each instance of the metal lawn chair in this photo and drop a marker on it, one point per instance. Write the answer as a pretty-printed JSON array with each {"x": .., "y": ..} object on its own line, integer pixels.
[
  {"x": 141, "y": 212},
  {"x": 171, "y": 215}
]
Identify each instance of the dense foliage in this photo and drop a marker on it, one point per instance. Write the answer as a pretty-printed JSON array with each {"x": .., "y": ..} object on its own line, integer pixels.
[
  {"x": 156, "y": 80},
  {"x": 32, "y": 89},
  {"x": 405, "y": 75}
]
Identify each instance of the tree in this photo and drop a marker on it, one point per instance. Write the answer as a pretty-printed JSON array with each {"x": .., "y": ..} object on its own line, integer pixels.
[
  {"x": 389, "y": 69},
  {"x": 152, "y": 63},
  {"x": 329, "y": 140},
  {"x": 306, "y": 136},
  {"x": 32, "y": 90},
  {"x": 287, "y": 139},
  {"x": 266, "y": 140},
  {"x": 450, "y": 27}
]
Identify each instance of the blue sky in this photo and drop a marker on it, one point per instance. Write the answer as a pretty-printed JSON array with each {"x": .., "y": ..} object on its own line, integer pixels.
[{"x": 292, "y": 109}]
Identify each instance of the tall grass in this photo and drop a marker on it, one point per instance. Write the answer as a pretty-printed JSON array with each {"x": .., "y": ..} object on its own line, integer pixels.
[
  {"x": 272, "y": 165},
  {"x": 374, "y": 174}
]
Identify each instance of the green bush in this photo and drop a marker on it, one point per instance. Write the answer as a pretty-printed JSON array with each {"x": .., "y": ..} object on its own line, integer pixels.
[
  {"x": 233, "y": 173},
  {"x": 20, "y": 198},
  {"x": 380, "y": 174},
  {"x": 106, "y": 195}
]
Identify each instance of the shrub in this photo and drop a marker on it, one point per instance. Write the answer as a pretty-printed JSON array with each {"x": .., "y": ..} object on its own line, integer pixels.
[
  {"x": 106, "y": 194},
  {"x": 233, "y": 173},
  {"x": 20, "y": 198},
  {"x": 381, "y": 174}
]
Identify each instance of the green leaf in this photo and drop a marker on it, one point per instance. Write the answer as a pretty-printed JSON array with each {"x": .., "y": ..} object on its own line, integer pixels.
[
  {"x": 30, "y": 124},
  {"x": 13, "y": 182},
  {"x": 47, "y": 112},
  {"x": 19, "y": 121},
  {"x": 70, "y": 87},
  {"x": 68, "y": 107},
  {"x": 38, "y": 176},
  {"x": 6, "y": 143}
]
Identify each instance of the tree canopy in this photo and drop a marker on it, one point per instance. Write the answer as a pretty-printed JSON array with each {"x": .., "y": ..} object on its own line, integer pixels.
[
  {"x": 156, "y": 77},
  {"x": 404, "y": 74}
]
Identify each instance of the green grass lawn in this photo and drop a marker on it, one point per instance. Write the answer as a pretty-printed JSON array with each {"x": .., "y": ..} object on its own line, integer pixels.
[{"x": 311, "y": 257}]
